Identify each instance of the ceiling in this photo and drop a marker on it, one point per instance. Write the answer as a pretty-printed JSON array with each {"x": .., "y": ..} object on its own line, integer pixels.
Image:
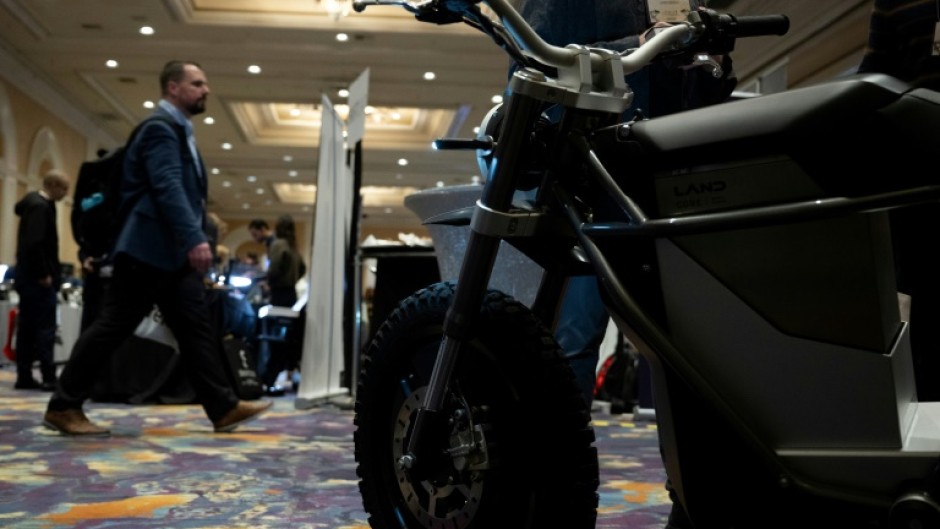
[{"x": 59, "y": 49}]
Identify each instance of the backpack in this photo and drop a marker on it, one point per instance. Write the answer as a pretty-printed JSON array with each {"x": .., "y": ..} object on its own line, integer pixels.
[{"x": 97, "y": 213}]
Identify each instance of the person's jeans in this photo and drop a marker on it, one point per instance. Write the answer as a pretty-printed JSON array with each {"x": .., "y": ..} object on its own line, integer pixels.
[
  {"x": 582, "y": 323},
  {"x": 36, "y": 330}
]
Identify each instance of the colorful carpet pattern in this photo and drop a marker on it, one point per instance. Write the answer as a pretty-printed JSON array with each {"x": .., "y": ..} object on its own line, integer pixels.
[{"x": 164, "y": 468}]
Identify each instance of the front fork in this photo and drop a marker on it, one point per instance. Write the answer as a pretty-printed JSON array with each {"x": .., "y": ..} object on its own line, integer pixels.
[{"x": 492, "y": 219}]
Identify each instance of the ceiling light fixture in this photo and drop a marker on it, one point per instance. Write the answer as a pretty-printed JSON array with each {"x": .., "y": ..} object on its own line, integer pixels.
[{"x": 337, "y": 9}]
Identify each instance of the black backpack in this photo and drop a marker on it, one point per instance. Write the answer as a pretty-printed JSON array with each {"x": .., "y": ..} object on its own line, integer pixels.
[{"x": 97, "y": 213}]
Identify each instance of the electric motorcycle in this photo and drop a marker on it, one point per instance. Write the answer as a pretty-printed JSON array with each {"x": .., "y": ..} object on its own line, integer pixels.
[{"x": 744, "y": 248}]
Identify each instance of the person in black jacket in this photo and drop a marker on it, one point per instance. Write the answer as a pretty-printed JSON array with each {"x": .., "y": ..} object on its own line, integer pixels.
[
  {"x": 284, "y": 271},
  {"x": 38, "y": 276}
]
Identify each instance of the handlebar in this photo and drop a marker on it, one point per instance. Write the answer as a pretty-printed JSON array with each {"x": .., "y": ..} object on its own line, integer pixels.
[
  {"x": 760, "y": 25},
  {"x": 706, "y": 31}
]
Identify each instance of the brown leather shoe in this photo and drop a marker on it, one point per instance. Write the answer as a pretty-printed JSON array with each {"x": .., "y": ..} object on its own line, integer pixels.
[
  {"x": 73, "y": 422},
  {"x": 242, "y": 412}
]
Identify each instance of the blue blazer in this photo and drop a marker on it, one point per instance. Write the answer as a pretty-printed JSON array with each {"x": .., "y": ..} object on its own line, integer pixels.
[{"x": 166, "y": 195}]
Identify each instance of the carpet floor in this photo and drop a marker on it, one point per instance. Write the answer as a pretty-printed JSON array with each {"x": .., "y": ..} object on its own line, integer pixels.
[{"x": 163, "y": 467}]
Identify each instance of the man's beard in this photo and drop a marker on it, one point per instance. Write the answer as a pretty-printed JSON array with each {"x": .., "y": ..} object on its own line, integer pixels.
[{"x": 198, "y": 107}]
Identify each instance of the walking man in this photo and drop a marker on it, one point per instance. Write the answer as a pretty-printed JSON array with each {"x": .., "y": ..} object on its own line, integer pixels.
[{"x": 161, "y": 257}]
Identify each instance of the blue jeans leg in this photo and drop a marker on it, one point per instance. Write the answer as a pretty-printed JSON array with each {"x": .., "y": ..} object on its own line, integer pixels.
[{"x": 582, "y": 323}]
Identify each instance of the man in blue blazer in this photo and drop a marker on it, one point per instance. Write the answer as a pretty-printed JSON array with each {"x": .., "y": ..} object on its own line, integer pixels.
[{"x": 160, "y": 257}]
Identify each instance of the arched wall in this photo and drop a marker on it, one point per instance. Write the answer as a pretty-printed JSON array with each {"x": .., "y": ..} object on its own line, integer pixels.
[{"x": 8, "y": 165}]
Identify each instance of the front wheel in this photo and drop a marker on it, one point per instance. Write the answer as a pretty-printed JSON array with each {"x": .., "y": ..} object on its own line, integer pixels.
[{"x": 517, "y": 450}]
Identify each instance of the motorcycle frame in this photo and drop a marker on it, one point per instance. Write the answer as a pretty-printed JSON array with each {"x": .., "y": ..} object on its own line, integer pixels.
[{"x": 828, "y": 440}]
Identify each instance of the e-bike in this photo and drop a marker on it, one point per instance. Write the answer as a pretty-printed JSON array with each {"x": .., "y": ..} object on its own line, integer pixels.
[{"x": 744, "y": 248}]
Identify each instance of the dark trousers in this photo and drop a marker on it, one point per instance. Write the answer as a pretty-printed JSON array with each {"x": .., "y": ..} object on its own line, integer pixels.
[
  {"x": 134, "y": 289},
  {"x": 93, "y": 286},
  {"x": 35, "y": 330},
  {"x": 582, "y": 324},
  {"x": 919, "y": 277},
  {"x": 276, "y": 356}
]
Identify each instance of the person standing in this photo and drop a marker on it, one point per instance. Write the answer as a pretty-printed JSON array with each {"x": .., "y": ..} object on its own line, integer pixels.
[
  {"x": 902, "y": 43},
  {"x": 91, "y": 255},
  {"x": 160, "y": 258},
  {"x": 659, "y": 89},
  {"x": 260, "y": 232},
  {"x": 285, "y": 269},
  {"x": 38, "y": 277}
]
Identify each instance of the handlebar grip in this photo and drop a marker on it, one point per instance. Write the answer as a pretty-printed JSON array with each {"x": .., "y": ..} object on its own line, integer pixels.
[{"x": 758, "y": 25}]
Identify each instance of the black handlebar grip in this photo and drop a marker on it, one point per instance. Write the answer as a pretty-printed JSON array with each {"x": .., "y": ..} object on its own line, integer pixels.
[{"x": 757, "y": 25}]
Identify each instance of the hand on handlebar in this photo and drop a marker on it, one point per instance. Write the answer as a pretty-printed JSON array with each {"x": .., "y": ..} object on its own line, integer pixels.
[
  {"x": 652, "y": 31},
  {"x": 710, "y": 63}
]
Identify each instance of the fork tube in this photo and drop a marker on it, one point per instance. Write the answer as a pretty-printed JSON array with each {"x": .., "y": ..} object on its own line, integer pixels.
[
  {"x": 429, "y": 423},
  {"x": 521, "y": 114}
]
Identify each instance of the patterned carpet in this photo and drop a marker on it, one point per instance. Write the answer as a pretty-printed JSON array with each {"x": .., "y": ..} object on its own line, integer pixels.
[{"x": 164, "y": 468}]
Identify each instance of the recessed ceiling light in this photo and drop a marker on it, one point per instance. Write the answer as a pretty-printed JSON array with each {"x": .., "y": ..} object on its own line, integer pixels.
[
  {"x": 146, "y": 30},
  {"x": 497, "y": 99},
  {"x": 288, "y": 158},
  {"x": 388, "y": 211},
  {"x": 342, "y": 37},
  {"x": 254, "y": 69},
  {"x": 292, "y": 174},
  {"x": 111, "y": 63},
  {"x": 227, "y": 146},
  {"x": 439, "y": 184},
  {"x": 251, "y": 178},
  {"x": 403, "y": 162},
  {"x": 246, "y": 206},
  {"x": 259, "y": 191},
  {"x": 215, "y": 170},
  {"x": 208, "y": 120},
  {"x": 429, "y": 76},
  {"x": 226, "y": 184},
  {"x": 148, "y": 104},
  {"x": 342, "y": 92}
]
